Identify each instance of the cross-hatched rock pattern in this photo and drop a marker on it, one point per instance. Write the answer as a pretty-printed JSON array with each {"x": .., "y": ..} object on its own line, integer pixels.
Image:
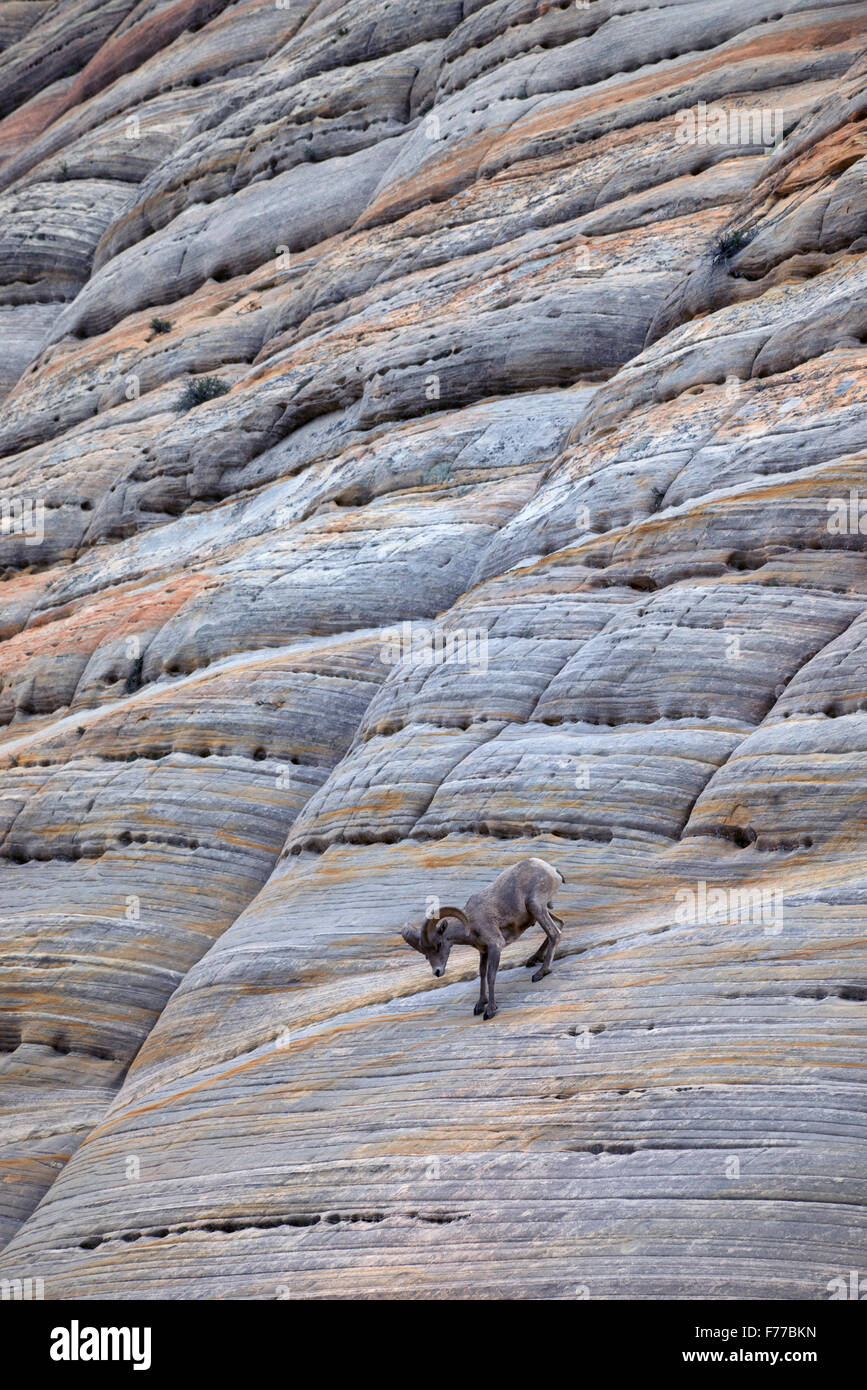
[{"x": 529, "y": 518}]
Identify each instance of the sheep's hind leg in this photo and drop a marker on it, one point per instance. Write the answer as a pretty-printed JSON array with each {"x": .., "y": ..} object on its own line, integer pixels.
[
  {"x": 553, "y": 933},
  {"x": 483, "y": 995},
  {"x": 537, "y": 955}
]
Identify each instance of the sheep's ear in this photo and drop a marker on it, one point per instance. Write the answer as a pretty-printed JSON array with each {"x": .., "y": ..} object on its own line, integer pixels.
[
  {"x": 441, "y": 927},
  {"x": 411, "y": 936}
]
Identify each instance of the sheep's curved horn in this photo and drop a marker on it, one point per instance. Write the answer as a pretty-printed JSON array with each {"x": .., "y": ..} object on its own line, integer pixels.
[
  {"x": 411, "y": 936},
  {"x": 452, "y": 912},
  {"x": 440, "y": 916}
]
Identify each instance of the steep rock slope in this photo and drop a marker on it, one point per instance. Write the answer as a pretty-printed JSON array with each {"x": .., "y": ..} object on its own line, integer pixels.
[{"x": 509, "y": 358}]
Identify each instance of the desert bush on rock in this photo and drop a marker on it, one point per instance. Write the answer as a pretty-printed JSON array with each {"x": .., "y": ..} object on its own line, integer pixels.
[
  {"x": 196, "y": 392},
  {"x": 730, "y": 243}
]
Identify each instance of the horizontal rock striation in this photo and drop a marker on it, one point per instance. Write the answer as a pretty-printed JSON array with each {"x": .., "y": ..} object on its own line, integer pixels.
[{"x": 542, "y": 336}]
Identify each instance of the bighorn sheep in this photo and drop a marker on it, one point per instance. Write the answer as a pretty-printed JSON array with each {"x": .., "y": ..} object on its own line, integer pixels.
[{"x": 516, "y": 899}]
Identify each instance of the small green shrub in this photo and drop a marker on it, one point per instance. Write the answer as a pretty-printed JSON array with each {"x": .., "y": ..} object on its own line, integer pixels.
[
  {"x": 64, "y": 170},
  {"x": 730, "y": 243},
  {"x": 204, "y": 389},
  {"x": 161, "y": 325}
]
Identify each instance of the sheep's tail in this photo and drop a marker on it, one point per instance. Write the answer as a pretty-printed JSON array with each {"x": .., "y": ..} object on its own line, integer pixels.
[{"x": 562, "y": 876}]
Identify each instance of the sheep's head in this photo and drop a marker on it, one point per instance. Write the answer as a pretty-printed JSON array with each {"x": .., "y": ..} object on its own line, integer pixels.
[{"x": 431, "y": 938}]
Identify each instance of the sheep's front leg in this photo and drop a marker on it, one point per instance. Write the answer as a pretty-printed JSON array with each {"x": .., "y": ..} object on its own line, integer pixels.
[
  {"x": 491, "y": 967},
  {"x": 553, "y": 934},
  {"x": 483, "y": 980}
]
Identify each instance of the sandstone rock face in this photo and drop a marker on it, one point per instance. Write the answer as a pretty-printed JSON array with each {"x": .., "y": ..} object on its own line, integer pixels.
[{"x": 531, "y": 522}]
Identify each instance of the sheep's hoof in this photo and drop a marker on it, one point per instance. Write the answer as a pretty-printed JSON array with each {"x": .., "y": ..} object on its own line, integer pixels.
[
  {"x": 534, "y": 960},
  {"x": 489, "y": 1012},
  {"x": 540, "y": 974},
  {"x": 479, "y": 1008}
]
